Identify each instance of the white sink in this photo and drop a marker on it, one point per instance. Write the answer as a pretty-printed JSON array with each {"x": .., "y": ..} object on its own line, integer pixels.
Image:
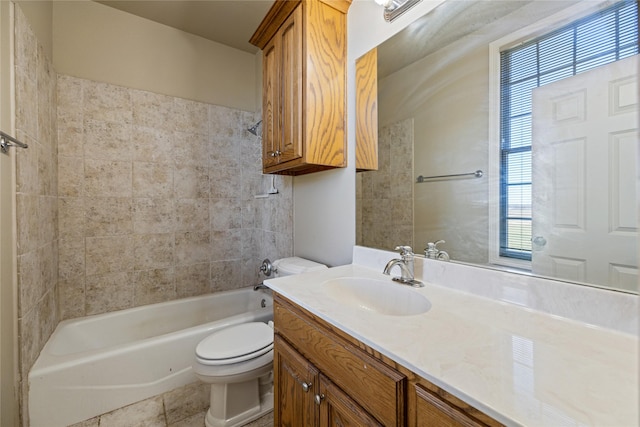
[{"x": 379, "y": 296}]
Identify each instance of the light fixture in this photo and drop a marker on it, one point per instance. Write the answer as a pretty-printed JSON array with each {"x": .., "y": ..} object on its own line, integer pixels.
[{"x": 395, "y": 8}]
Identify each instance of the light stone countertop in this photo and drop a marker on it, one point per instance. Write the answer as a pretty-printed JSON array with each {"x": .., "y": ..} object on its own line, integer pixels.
[{"x": 518, "y": 365}]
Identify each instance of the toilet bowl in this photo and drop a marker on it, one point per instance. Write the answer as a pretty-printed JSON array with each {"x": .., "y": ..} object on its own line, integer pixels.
[{"x": 238, "y": 363}]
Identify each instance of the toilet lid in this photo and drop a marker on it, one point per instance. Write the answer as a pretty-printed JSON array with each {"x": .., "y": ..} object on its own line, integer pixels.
[{"x": 236, "y": 344}]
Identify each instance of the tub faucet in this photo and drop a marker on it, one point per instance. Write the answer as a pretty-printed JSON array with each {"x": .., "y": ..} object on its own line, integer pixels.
[
  {"x": 406, "y": 267},
  {"x": 260, "y": 286}
]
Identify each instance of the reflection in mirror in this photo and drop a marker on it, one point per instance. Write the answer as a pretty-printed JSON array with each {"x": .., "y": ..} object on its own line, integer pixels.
[{"x": 542, "y": 97}]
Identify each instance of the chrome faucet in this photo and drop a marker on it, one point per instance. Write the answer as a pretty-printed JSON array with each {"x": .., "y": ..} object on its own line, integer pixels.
[
  {"x": 406, "y": 267},
  {"x": 432, "y": 252}
]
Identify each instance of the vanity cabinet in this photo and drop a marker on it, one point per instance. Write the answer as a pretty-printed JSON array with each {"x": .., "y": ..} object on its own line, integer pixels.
[
  {"x": 303, "y": 85},
  {"x": 322, "y": 380},
  {"x": 325, "y": 377}
]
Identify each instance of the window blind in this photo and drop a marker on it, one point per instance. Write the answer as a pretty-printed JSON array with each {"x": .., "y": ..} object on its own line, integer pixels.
[{"x": 601, "y": 38}]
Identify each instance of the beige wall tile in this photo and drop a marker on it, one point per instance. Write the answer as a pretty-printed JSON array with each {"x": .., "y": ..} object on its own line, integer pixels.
[
  {"x": 70, "y": 176},
  {"x": 107, "y": 140},
  {"x": 191, "y": 182},
  {"x": 153, "y": 250},
  {"x": 27, "y": 166},
  {"x": 104, "y": 293},
  {"x": 108, "y": 216},
  {"x": 71, "y": 294},
  {"x": 225, "y": 183},
  {"x": 109, "y": 254},
  {"x": 71, "y": 259},
  {"x": 192, "y": 214},
  {"x": 225, "y": 275},
  {"x": 152, "y": 145},
  {"x": 153, "y": 286},
  {"x": 191, "y": 116},
  {"x": 190, "y": 148},
  {"x": 153, "y": 110},
  {"x": 102, "y": 101},
  {"x": 71, "y": 218},
  {"x": 152, "y": 180},
  {"x": 192, "y": 247},
  {"x": 192, "y": 280},
  {"x": 226, "y": 214},
  {"x": 153, "y": 216},
  {"x": 107, "y": 178}
]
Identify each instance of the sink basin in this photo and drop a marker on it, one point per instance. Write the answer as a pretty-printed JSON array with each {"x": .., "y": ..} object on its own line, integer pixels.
[{"x": 379, "y": 296}]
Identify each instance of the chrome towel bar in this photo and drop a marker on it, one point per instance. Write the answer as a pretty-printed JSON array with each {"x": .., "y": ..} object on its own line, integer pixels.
[
  {"x": 7, "y": 141},
  {"x": 476, "y": 174}
]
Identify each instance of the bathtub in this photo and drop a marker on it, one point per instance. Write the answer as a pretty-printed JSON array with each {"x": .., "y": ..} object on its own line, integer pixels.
[{"x": 96, "y": 364}]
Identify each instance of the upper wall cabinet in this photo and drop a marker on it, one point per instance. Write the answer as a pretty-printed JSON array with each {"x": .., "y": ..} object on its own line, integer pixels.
[
  {"x": 367, "y": 112},
  {"x": 303, "y": 86}
]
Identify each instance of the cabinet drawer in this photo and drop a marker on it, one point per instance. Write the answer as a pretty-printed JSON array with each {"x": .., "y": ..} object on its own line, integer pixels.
[{"x": 379, "y": 389}]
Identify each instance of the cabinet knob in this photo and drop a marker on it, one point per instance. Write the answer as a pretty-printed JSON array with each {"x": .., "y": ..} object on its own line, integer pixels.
[
  {"x": 306, "y": 386},
  {"x": 319, "y": 398}
]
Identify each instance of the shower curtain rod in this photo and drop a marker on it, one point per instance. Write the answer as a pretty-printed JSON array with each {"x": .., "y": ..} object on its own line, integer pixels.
[
  {"x": 7, "y": 141},
  {"x": 476, "y": 174}
]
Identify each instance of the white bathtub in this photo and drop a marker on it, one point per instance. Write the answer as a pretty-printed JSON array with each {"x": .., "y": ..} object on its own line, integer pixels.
[{"x": 96, "y": 364}]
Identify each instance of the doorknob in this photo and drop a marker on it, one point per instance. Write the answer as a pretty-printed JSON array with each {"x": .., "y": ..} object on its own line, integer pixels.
[{"x": 538, "y": 243}]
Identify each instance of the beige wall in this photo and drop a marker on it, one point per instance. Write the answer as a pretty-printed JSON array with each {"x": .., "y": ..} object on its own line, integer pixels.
[
  {"x": 39, "y": 14},
  {"x": 100, "y": 43}
]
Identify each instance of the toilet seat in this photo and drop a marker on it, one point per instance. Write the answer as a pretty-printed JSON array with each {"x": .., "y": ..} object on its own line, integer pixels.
[{"x": 235, "y": 344}]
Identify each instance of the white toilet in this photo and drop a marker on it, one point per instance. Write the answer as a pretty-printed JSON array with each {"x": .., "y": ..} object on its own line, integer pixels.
[{"x": 238, "y": 363}]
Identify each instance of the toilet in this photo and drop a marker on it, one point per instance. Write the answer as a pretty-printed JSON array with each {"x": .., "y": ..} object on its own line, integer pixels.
[{"x": 238, "y": 363}]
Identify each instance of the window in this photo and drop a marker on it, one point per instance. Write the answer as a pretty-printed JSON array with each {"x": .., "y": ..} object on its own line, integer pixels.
[{"x": 601, "y": 38}]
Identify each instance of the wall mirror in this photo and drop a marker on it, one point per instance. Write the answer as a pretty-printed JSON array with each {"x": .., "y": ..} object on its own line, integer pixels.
[{"x": 460, "y": 81}]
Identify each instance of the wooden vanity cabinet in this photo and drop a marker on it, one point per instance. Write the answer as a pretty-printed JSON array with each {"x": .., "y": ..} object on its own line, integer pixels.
[
  {"x": 303, "y": 85},
  {"x": 313, "y": 366},
  {"x": 325, "y": 377}
]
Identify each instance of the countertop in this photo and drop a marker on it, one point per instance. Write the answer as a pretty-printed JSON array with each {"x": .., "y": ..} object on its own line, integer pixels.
[{"x": 519, "y": 366}]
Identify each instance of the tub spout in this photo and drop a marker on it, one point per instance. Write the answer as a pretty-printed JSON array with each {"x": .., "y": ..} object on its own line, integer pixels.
[{"x": 260, "y": 286}]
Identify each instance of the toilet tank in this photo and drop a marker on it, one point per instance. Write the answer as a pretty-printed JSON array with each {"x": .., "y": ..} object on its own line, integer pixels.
[{"x": 295, "y": 265}]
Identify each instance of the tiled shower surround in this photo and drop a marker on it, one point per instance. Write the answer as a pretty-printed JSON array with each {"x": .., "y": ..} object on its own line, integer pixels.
[
  {"x": 156, "y": 199},
  {"x": 36, "y": 199},
  {"x": 384, "y": 198},
  {"x": 126, "y": 198}
]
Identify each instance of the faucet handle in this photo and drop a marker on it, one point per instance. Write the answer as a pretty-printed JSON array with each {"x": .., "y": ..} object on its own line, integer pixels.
[{"x": 405, "y": 250}]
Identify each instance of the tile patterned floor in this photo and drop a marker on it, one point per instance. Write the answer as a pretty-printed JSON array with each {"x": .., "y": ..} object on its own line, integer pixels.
[{"x": 183, "y": 407}]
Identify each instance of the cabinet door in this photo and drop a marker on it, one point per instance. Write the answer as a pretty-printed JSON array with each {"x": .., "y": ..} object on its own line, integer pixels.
[
  {"x": 431, "y": 411},
  {"x": 295, "y": 386},
  {"x": 270, "y": 103},
  {"x": 339, "y": 410},
  {"x": 290, "y": 39}
]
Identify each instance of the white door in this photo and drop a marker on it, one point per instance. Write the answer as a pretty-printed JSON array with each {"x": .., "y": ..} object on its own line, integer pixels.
[{"x": 585, "y": 158}]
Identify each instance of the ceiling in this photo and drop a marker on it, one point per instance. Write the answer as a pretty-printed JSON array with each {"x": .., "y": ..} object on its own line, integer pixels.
[{"x": 230, "y": 22}]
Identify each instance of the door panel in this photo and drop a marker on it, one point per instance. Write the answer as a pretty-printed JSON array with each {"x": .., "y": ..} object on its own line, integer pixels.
[{"x": 585, "y": 156}]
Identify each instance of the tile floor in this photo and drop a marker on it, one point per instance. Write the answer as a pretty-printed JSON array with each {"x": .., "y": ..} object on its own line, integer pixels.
[{"x": 183, "y": 407}]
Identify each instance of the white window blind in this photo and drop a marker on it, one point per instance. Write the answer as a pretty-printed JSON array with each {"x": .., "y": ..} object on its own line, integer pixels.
[{"x": 601, "y": 38}]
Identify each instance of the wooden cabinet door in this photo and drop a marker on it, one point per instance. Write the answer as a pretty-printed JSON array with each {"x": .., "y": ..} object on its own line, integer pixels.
[
  {"x": 431, "y": 411},
  {"x": 295, "y": 386},
  {"x": 339, "y": 410},
  {"x": 270, "y": 103},
  {"x": 290, "y": 39}
]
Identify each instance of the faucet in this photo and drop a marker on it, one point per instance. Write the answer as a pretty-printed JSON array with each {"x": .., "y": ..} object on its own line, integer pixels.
[
  {"x": 406, "y": 267},
  {"x": 432, "y": 252}
]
